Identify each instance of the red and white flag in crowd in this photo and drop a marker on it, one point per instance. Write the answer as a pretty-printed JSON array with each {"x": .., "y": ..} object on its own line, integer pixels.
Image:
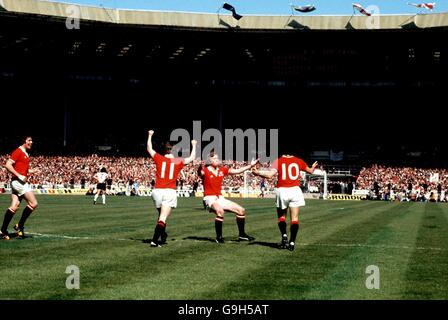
[
  {"x": 428, "y": 6},
  {"x": 361, "y": 9}
]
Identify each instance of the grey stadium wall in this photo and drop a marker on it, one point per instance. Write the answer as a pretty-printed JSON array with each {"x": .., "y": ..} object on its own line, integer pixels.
[{"x": 223, "y": 21}]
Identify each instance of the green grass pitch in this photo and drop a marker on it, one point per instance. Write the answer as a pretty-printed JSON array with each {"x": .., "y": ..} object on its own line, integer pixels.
[{"x": 337, "y": 241}]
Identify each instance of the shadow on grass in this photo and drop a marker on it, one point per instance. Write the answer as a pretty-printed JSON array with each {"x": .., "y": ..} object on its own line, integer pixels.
[
  {"x": 266, "y": 244},
  {"x": 200, "y": 239},
  {"x": 145, "y": 240},
  {"x": 15, "y": 236}
]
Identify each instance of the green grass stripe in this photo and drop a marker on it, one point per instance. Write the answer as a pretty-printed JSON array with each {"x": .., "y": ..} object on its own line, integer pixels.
[
  {"x": 347, "y": 281},
  {"x": 427, "y": 276},
  {"x": 337, "y": 240},
  {"x": 296, "y": 274},
  {"x": 317, "y": 215}
]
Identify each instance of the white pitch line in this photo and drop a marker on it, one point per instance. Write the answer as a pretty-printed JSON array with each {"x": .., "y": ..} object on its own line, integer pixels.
[
  {"x": 360, "y": 245},
  {"x": 74, "y": 238},
  {"x": 348, "y": 245}
]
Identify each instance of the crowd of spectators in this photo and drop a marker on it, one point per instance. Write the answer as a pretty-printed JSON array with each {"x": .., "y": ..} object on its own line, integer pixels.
[
  {"x": 381, "y": 182},
  {"x": 404, "y": 183},
  {"x": 58, "y": 171}
]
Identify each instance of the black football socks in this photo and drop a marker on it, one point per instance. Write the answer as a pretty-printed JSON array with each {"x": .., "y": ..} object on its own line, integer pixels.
[
  {"x": 158, "y": 231},
  {"x": 9, "y": 214},
  {"x": 240, "y": 221},
  {"x": 282, "y": 225},
  {"x": 294, "y": 230},
  {"x": 25, "y": 215},
  {"x": 218, "y": 227}
]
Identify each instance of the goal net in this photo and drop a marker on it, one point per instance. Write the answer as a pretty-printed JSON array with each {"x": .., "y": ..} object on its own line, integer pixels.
[{"x": 316, "y": 183}]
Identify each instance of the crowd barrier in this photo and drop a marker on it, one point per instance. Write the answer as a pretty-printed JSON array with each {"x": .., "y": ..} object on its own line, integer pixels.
[
  {"x": 346, "y": 197},
  {"x": 314, "y": 196},
  {"x": 145, "y": 192},
  {"x": 188, "y": 193},
  {"x": 361, "y": 192},
  {"x": 237, "y": 195},
  {"x": 64, "y": 191}
]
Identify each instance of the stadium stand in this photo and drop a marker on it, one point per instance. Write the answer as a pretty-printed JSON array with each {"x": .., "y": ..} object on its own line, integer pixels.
[
  {"x": 331, "y": 61},
  {"x": 72, "y": 172},
  {"x": 404, "y": 184},
  {"x": 379, "y": 182}
]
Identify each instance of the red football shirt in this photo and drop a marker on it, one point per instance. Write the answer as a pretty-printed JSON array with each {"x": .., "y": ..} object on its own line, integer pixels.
[
  {"x": 167, "y": 171},
  {"x": 21, "y": 162},
  {"x": 212, "y": 182},
  {"x": 288, "y": 169}
]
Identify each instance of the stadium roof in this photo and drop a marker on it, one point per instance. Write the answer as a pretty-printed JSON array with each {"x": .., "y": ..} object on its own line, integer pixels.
[
  {"x": 223, "y": 21},
  {"x": 195, "y": 62}
]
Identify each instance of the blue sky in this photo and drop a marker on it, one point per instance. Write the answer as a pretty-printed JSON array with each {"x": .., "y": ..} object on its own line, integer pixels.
[{"x": 275, "y": 7}]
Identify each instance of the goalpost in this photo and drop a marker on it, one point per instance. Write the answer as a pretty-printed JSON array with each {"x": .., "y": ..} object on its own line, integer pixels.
[
  {"x": 247, "y": 183},
  {"x": 316, "y": 183}
]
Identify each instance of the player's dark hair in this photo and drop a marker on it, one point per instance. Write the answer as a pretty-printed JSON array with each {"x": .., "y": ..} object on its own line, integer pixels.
[
  {"x": 24, "y": 138},
  {"x": 103, "y": 169},
  {"x": 212, "y": 153},
  {"x": 167, "y": 147}
]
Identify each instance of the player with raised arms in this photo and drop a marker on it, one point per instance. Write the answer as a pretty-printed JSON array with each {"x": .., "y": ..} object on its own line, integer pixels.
[
  {"x": 164, "y": 193},
  {"x": 288, "y": 193},
  {"x": 213, "y": 176}
]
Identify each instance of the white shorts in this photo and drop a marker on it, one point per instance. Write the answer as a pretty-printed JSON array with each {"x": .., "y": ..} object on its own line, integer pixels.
[
  {"x": 223, "y": 202},
  {"x": 164, "y": 197},
  {"x": 19, "y": 188},
  {"x": 289, "y": 198}
]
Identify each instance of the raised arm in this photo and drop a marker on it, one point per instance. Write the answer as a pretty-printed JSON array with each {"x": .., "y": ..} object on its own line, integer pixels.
[
  {"x": 193, "y": 152},
  {"x": 311, "y": 170},
  {"x": 149, "y": 144},
  {"x": 10, "y": 168},
  {"x": 252, "y": 164},
  {"x": 268, "y": 174}
]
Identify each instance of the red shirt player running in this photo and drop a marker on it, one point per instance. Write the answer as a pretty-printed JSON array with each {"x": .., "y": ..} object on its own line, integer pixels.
[
  {"x": 164, "y": 194},
  {"x": 288, "y": 193},
  {"x": 213, "y": 176},
  {"x": 18, "y": 165}
]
